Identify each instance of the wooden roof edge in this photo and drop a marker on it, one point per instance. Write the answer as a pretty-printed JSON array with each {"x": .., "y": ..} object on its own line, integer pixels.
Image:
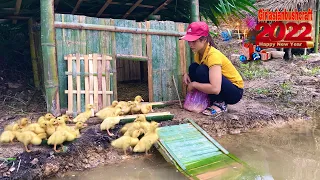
[
  {"x": 17, "y": 10},
  {"x": 132, "y": 8},
  {"x": 159, "y": 8}
]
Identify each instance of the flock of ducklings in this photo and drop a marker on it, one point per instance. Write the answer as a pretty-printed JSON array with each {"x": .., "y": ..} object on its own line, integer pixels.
[
  {"x": 56, "y": 131},
  {"x": 131, "y": 133},
  {"x": 50, "y": 128}
]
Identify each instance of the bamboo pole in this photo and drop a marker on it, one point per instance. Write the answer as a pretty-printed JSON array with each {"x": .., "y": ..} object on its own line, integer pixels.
[
  {"x": 49, "y": 56},
  {"x": 33, "y": 55},
  {"x": 316, "y": 46},
  {"x": 194, "y": 10},
  {"x": 116, "y": 29}
]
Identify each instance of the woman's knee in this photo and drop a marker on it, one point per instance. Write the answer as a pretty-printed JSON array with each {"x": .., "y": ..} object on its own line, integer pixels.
[{"x": 202, "y": 73}]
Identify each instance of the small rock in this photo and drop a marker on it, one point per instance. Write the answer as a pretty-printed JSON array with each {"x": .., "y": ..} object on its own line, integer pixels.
[
  {"x": 99, "y": 149},
  {"x": 85, "y": 161},
  {"x": 51, "y": 169},
  {"x": 235, "y": 131},
  {"x": 14, "y": 85},
  {"x": 234, "y": 117},
  {"x": 12, "y": 169},
  {"x": 34, "y": 161}
]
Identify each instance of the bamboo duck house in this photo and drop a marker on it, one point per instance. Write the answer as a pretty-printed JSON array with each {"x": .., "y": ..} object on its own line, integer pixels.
[{"x": 75, "y": 50}]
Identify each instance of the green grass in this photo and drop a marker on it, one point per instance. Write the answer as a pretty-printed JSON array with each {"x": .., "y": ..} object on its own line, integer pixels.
[
  {"x": 315, "y": 71},
  {"x": 264, "y": 91},
  {"x": 305, "y": 57},
  {"x": 253, "y": 70}
]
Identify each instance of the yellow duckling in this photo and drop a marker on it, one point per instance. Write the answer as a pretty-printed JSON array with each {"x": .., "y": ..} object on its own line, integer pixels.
[
  {"x": 9, "y": 127},
  {"x": 62, "y": 124},
  {"x": 109, "y": 123},
  {"x": 7, "y": 136},
  {"x": 136, "y": 107},
  {"x": 50, "y": 126},
  {"x": 21, "y": 123},
  {"x": 128, "y": 125},
  {"x": 58, "y": 138},
  {"x": 37, "y": 128},
  {"x": 131, "y": 129},
  {"x": 148, "y": 139},
  {"x": 109, "y": 112},
  {"x": 66, "y": 118},
  {"x": 85, "y": 115},
  {"x": 113, "y": 104},
  {"x": 138, "y": 99},
  {"x": 144, "y": 124},
  {"x": 28, "y": 137},
  {"x": 76, "y": 130},
  {"x": 146, "y": 108},
  {"x": 46, "y": 117},
  {"x": 125, "y": 142},
  {"x": 126, "y": 109}
]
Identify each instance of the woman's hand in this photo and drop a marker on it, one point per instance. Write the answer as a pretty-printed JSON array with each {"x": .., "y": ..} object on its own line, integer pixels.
[
  {"x": 186, "y": 79},
  {"x": 191, "y": 86}
]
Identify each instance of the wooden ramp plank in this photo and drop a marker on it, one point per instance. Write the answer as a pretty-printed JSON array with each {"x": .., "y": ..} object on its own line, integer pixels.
[
  {"x": 193, "y": 151},
  {"x": 162, "y": 116}
]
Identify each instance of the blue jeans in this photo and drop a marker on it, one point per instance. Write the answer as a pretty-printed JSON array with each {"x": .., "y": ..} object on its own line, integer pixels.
[{"x": 230, "y": 93}]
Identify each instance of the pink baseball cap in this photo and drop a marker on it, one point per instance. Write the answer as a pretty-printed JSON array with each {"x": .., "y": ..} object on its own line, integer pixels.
[{"x": 195, "y": 30}]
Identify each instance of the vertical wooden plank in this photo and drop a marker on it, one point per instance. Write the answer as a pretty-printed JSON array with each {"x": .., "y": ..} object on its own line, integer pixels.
[
  {"x": 101, "y": 64},
  {"x": 157, "y": 57},
  {"x": 78, "y": 83},
  {"x": 89, "y": 47},
  {"x": 91, "y": 78},
  {"x": 74, "y": 82},
  {"x": 113, "y": 82},
  {"x": 83, "y": 51},
  {"x": 103, "y": 82},
  {"x": 170, "y": 64},
  {"x": 99, "y": 81},
  {"x": 70, "y": 85},
  {"x": 62, "y": 64},
  {"x": 137, "y": 51},
  {"x": 87, "y": 85},
  {"x": 149, "y": 54},
  {"x": 95, "y": 81},
  {"x": 108, "y": 69},
  {"x": 189, "y": 54},
  {"x": 181, "y": 49}
]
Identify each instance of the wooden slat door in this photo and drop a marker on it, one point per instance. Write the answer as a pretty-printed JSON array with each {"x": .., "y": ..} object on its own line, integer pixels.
[{"x": 88, "y": 81}]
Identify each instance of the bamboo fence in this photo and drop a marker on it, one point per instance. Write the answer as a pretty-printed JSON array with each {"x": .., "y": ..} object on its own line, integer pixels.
[{"x": 154, "y": 42}]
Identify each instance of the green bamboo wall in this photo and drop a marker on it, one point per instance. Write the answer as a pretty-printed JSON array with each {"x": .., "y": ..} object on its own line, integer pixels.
[{"x": 165, "y": 51}]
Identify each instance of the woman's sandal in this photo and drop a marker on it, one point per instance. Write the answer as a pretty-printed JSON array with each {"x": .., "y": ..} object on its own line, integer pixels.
[{"x": 209, "y": 111}]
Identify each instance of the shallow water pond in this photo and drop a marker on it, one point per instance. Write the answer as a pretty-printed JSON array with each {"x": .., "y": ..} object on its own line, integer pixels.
[
  {"x": 287, "y": 153},
  {"x": 146, "y": 168}
]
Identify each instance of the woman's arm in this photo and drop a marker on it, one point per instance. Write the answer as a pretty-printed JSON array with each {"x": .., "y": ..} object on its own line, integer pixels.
[{"x": 215, "y": 78}]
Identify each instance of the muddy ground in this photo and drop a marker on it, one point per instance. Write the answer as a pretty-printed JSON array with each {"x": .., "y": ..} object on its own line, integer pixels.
[{"x": 276, "y": 92}]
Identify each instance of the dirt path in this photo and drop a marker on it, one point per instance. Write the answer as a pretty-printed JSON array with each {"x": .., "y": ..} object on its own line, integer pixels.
[{"x": 276, "y": 92}]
